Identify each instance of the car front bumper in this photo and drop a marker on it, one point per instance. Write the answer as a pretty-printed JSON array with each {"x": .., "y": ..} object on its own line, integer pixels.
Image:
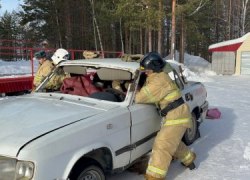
[{"x": 203, "y": 111}]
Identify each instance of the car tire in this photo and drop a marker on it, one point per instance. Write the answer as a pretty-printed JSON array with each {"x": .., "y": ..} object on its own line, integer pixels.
[
  {"x": 192, "y": 133},
  {"x": 91, "y": 172}
]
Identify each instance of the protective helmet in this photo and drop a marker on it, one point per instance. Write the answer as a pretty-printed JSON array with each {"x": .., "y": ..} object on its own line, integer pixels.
[
  {"x": 40, "y": 54},
  {"x": 60, "y": 55},
  {"x": 152, "y": 61}
]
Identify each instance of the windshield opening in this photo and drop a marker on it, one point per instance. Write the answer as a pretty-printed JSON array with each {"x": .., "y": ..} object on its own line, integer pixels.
[{"x": 99, "y": 83}]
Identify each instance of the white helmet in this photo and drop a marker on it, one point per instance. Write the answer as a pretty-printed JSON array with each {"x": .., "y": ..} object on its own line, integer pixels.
[{"x": 60, "y": 55}]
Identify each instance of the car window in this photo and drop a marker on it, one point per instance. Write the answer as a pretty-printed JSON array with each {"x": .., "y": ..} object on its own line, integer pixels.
[
  {"x": 178, "y": 80},
  {"x": 89, "y": 82},
  {"x": 173, "y": 74}
]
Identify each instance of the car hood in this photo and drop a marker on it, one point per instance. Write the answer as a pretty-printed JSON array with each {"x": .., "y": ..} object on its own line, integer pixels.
[{"x": 24, "y": 118}]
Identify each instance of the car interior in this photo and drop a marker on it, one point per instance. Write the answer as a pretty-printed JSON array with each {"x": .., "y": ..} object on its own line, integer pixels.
[{"x": 95, "y": 82}]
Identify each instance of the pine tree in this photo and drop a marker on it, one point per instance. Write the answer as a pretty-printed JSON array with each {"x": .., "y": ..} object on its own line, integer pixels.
[{"x": 9, "y": 32}]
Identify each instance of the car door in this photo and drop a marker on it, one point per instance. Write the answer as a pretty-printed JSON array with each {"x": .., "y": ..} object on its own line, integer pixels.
[{"x": 145, "y": 123}]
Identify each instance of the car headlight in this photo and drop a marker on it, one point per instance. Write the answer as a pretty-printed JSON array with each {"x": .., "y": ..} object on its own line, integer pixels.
[
  {"x": 12, "y": 169},
  {"x": 24, "y": 170},
  {"x": 7, "y": 168}
]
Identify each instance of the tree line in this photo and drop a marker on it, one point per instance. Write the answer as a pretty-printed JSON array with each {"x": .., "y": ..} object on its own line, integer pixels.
[{"x": 130, "y": 26}]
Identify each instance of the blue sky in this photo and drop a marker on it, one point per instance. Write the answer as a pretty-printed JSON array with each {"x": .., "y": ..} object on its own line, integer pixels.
[{"x": 9, "y": 5}]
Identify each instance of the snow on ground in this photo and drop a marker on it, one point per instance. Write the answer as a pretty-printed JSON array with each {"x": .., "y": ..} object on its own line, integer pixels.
[
  {"x": 13, "y": 68},
  {"x": 223, "y": 151},
  {"x": 194, "y": 68}
]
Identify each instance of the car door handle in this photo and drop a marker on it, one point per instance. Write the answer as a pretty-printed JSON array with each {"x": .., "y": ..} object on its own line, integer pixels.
[
  {"x": 189, "y": 97},
  {"x": 109, "y": 126}
]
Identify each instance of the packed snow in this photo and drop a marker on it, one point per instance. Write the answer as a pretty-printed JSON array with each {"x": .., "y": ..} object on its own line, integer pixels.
[
  {"x": 223, "y": 150},
  {"x": 16, "y": 68}
]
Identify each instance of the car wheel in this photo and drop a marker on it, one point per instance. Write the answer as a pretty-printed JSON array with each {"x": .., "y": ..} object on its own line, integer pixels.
[
  {"x": 91, "y": 172},
  {"x": 192, "y": 133}
]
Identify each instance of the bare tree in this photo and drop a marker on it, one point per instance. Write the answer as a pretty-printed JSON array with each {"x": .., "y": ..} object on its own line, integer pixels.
[
  {"x": 58, "y": 26},
  {"x": 149, "y": 39},
  {"x": 160, "y": 28},
  {"x": 172, "y": 51},
  {"x": 121, "y": 36},
  {"x": 243, "y": 19},
  {"x": 95, "y": 24},
  {"x": 201, "y": 4}
]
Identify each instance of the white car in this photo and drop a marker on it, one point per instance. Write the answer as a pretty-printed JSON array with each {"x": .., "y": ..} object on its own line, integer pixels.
[{"x": 52, "y": 135}]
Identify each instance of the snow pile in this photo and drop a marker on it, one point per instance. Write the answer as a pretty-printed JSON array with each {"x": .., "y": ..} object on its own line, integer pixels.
[{"x": 194, "y": 68}]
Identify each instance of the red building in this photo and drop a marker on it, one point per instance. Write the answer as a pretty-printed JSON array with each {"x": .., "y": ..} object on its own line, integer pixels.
[{"x": 232, "y": 56}]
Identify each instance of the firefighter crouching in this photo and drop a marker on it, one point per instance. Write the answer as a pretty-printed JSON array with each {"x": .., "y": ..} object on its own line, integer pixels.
[{"x": 159, "y": 89}]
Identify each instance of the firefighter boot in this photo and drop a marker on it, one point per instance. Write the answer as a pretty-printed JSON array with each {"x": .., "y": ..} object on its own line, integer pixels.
[
  {"x": 140, "y": 167},
  {"x": 148, "y": 177},
  {"x": 190, "y": 166},
  {"x": 190, "y": 163}
]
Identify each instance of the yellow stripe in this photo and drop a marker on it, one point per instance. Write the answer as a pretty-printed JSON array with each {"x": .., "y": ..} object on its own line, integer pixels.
[
  {"x": 117, "y": 87},
  {"x": 173, "y": 95},
  {"x": 157, "y": 170},
  {"x": 176, "y": 121},
  {"x": 38, "y": 78},
  {"x": 187, "y": 157},
  {"x": 147, "y": 92}
]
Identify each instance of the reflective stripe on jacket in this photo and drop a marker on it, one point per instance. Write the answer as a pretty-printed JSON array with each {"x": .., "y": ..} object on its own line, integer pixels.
[{"x": 161, "y": 90}]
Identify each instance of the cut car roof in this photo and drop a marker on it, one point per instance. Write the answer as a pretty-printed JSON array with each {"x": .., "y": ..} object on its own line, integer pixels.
[{"x": 105, "y": 62}]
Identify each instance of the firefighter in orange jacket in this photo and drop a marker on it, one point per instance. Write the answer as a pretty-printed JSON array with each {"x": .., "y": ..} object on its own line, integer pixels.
[{"x": 159, "y": 89}]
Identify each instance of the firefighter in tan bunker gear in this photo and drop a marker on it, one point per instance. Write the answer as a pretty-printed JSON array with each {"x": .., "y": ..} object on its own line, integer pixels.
[
  {"x": 159, "y": 89},
  {"x": 120, "y": 85},
  {"x": 56, "y": 81},
  {"x": 44, "y": 68},
  {"x": 90, "y": 54}
]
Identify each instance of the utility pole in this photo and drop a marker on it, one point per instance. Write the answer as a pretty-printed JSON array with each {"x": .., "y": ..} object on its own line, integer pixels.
[{"x": 172, "y": 51}]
